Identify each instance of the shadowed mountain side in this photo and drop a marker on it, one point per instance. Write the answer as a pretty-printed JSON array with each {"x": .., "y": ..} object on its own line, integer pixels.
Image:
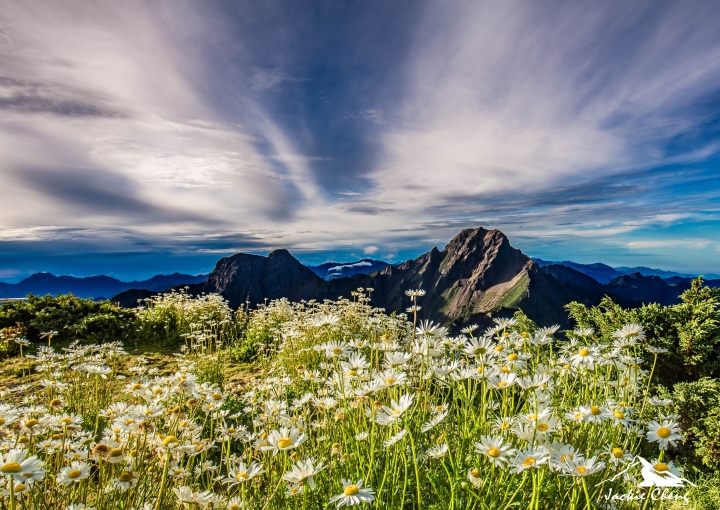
[
  {"x": 478, "y": 272},
  {"x": 252, "y": 278},
  {"x": 588, "y": 290},
  {"x": 478, "y": 275},
  {"x": 645, "y": 289}
]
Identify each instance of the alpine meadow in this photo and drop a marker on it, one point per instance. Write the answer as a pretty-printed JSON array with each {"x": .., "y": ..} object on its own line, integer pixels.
[{"x": 366, "y": 254}]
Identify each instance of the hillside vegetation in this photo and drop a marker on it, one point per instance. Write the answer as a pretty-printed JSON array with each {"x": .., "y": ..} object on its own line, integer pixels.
[{"x": 323, "y": 404}]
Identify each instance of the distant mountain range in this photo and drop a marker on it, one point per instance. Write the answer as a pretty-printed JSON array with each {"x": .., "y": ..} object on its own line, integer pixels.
[
  {"x": 330, "y": 270},
  {"x": 97, "y": 287},
  {"x": 477, "y": 276},
  {"x": 604, "y": 273}
]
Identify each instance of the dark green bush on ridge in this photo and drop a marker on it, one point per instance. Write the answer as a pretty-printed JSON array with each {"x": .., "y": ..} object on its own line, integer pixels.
[
  {"x": 690, "y": 331},
  {"x": 72, "y": 317},
  {"x": 689, "y": 373}
]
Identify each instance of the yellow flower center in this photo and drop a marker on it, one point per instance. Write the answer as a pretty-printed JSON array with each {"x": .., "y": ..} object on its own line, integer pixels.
[
  {"x": 135, "y": 387},
  {"x": 566, "y": 367},
  {"x": 595, "y": 410},
  {"x": 529, "y": 461},
  {"x": 396, "y": 412},
  {"x": 129, "y": 421},
  {"x": 2, "y": 421},
  {"x": 242, "y": 476},
  {"x": 351, "y": 490},
  {"x": 532, "y": 417},
  {"x": 619, "y": 415},
  {"x": 661, "y": 466},
  {"x": 525, "y": 334},
  {"x": 542, "y": 427},
  {"x": 10, "y": 468},
  {"x": 565, "y": 457},
  {"x": 234, "y": 506},
  {"x": 284, "y": 442},
  {"x": 20, "y": 487},
  {"x": 499, "y": 348},
  {"x": 584, "y": 352},
  {"x": 55, "y": 402},
  {"x": 475, "y": 473},
  {"x": 337, "y": 350},
  {"x": 116, "y": 452},
  {"x": 663, "y": 432},
  {"x": 125, "y": 476},
  {"x": 502, "y": 384},
  {"x": 216, "y": 396},
  {"x": 505, "y": 370},
  {"x": 513, "y": 357},
  {"x": 581, "y": 470},
  {"x": 157, "y": 391},
  {"x": 31, "y": 422},
  {"x": 74, "y": 473},
  {"x": 617, "y": 453},
  {"x": 168, "y": 440},
  {"x": 231, "y": 430},
  {"x": 494, "y": 452}
]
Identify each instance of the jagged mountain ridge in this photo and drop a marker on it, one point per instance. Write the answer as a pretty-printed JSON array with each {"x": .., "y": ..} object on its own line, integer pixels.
[{"x": 476, "y": 274}]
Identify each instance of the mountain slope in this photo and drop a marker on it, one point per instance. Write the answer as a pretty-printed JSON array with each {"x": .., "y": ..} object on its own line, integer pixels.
[{"x": 476, "y": 274}]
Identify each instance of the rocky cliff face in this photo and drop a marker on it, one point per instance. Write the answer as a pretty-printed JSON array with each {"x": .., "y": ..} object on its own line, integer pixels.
[
  {"x": 477, "y": 274},
  {"x": 251, "y": 278}
]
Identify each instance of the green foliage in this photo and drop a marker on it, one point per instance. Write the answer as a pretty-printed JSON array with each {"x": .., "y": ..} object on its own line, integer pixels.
[
  {"x": 689, "y": 373},
  {"x": 690, "y": 331},
  {"x": 8, "y": 348},
  {"x": 72, "y": 318},
  {"x": 524, "y": 323},
  {"x": 698, "y": 404},
  {"x": 209, "y": 369},
  {"x": 200, "y": 322}
]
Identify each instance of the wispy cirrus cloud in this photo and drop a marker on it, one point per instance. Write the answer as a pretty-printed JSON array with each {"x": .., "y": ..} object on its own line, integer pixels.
[{"x": 587, "y": 130}]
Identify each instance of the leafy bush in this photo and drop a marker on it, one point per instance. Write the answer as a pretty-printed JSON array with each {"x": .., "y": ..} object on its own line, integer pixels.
[
  {"x": 69, "y": 316},
  {"x": 690, "y": 331},
  {"x": 698, "y": 404},
  {"x": 202, "y": 323},
  {"x": 689, "y": 372}
]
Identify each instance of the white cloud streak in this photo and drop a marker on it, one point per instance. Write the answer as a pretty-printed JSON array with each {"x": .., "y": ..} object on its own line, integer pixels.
[{"x": 508, "y": 115}]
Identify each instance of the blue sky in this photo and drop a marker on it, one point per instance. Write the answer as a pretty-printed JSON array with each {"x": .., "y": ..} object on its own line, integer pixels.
[{"x": 150, "y": 137}]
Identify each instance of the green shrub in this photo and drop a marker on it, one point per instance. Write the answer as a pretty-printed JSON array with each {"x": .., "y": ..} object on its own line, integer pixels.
[
  {"x": 70, "y": 316},
  {"x": 698, "y": 404},
  {"x": 690, "y": 331},
  {"x": 203, "y": 323}
]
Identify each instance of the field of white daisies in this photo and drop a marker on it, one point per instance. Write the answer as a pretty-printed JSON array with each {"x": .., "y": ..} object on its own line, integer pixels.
[{"x": 343, "y": 405}]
